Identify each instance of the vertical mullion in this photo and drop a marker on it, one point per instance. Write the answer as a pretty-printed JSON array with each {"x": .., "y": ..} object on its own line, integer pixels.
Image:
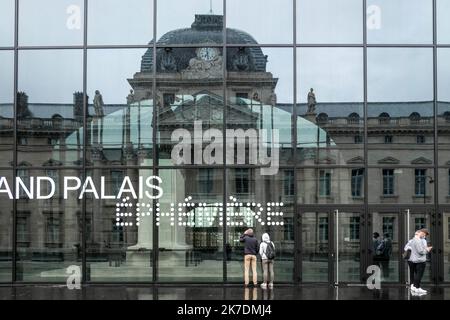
[
  {"x": 155, "y": 244},
  {"x": 224, "y": 124},
  {"x": 366, "y": 240},
  {"x": 438, "y": 261},
  {"x": 14, "y": 165},
  {"x": 84, "y": 153},
  {"x": 296, "y": 219}
]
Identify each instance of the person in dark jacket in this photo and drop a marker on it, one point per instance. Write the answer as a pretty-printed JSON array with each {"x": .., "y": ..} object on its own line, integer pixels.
[
  {"x": 250, "y": 252},
  {"x": 385, "y": 249}
]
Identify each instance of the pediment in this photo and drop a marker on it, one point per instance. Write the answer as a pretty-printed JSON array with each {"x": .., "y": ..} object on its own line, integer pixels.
[
  {"x": 421, "y": 160},
  {"x": 356, "y": 160},
  {"x": 326, "y": 160},
  {"x": 207, "y": 107},
  {"x": 389, "y": 160},
  {"x": 52, "y": 163}
]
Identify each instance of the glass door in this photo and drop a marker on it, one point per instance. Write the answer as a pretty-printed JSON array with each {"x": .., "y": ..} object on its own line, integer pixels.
[
  {"x": 316, "y": 246},
  {"x": 348, "y": 238},
  {"x": 418, "y": 219},
  {"x": 446, "y": 243},
  {"x": 331, "y": 245},
  {"x": 386, "y": 243}
]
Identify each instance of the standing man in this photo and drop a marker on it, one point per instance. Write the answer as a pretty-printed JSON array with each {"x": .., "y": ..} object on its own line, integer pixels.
[
  {"x": 250, "y": 252},
  {"x": 417, "y": 259}
]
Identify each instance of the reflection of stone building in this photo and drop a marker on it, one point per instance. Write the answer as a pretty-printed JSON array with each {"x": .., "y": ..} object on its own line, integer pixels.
[{"x": 190, "y": 85}]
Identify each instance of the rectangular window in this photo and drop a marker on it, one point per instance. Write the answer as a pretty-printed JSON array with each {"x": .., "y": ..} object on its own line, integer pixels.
[
  {"x": 449, "y": 182},
  {"x": 240, "y": 96},
  {"x": 388, "y": 226},
  {"x": 323, "y": 229},
  {"x": 289, "y": 182},
  {"x": 354, "y": 228},
  {"x": 117, "y": 232},
  {"x": 53, "y": 174},
  {"x": 205, "y": 181},
  {"x": 388, "y": 182},
  {"x": 420, "y": 178},
  {"x": 288, "y": 229},
  {"x": 388, "y": 139},
  {"x": 419, "y": 223},
  {"x": 117, "y": 177},
  {"x": 420, "y": 139},
  {"x": 324, "y": 183},
  {"x": 357, "y": 182},
  {"x": 448, "y": 228},
  {"x": 52, "y": 141},
  {"x": 25, "y": 176},
  {"x": 23, "y": 141},
  {"x": 53, "y": 235},
  {"x": 169, "y": 99},
  {"x": 23, "y": 231},
  {"x": 358, "y": 139},
  {"x": 242, "y": 181}
]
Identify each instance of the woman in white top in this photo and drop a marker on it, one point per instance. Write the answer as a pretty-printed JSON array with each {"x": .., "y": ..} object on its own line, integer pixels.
[{"x": 267, "y": 263}]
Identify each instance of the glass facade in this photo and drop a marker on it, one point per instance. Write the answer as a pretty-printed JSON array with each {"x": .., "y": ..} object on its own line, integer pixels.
[{"x": 251, "y": 113}]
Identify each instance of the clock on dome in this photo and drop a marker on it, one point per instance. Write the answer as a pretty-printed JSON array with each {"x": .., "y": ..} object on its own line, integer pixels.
[{"x": 207, "y": 53}]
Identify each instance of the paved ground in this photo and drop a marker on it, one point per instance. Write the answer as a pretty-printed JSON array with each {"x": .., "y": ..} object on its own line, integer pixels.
[{"x": 215, "y": 292}]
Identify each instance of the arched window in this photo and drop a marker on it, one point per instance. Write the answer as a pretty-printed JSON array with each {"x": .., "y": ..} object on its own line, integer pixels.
[
  {"x": 414, "y": 117},
  {"x": 322, "y": 118},
  {"x": 384, "y": 117},
  {"x": 447, "y": 116},
  {"x": 353, "y": 118}
]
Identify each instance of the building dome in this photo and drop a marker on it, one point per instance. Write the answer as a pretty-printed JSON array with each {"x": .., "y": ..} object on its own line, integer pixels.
[{"x": 206, "y": 30}]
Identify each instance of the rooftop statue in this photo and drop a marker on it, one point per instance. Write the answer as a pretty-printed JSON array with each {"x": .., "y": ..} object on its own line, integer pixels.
[{"x": 311, "y": 101}]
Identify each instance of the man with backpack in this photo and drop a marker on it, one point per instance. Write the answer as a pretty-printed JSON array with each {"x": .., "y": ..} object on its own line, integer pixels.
[{"x": 267, "y": 253}]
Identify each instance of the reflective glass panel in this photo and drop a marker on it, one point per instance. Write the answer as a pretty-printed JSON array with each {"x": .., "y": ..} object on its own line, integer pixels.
[
  {"x": 119, "y": 226},
  {"x": 203, "y": 15},
  {"x": 443, "y": 112},
  {"x": 189, "y": 101},
  {"x": 443, "y": 24},
  {"x": 6, "y": 108},
  {"x": 329, "y": 21},
  {"x": 189, "y": 219},
  {"x": 257, "y": 18},
  {"x": 50, "y": 107},
  {"x": 260, "y": 106},
  {"x": 400, "y": 110},
  {"x": 48, "y": 229},
  {"x": 387, "y": 243},
  {"x": 264, "y": 204},
  {"x": 400, "y": 21},
  {"x": 7, "y": 23},
  {"x": 392, "y": 185},
  {"x": 330, "y": 123},
  {"x": 327, "y": 185},
  {"x": 316, "y": 246},
  {"x": 119, "y": 125},
  {"x": 120, "y": 22},
  {"x": 51, "y": 22},
  {"x": 6, "y": 228}
]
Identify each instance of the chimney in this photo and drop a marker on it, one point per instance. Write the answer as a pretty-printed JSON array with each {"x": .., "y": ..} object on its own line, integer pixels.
[
  {"x": 22, "y": 106},
  {"x": 78, "y": 106}
]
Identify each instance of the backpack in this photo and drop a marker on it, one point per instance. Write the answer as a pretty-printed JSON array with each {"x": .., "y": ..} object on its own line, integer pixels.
[
  {"x": 270, "y": 251},
  {"x": 381, "y": 248}
]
